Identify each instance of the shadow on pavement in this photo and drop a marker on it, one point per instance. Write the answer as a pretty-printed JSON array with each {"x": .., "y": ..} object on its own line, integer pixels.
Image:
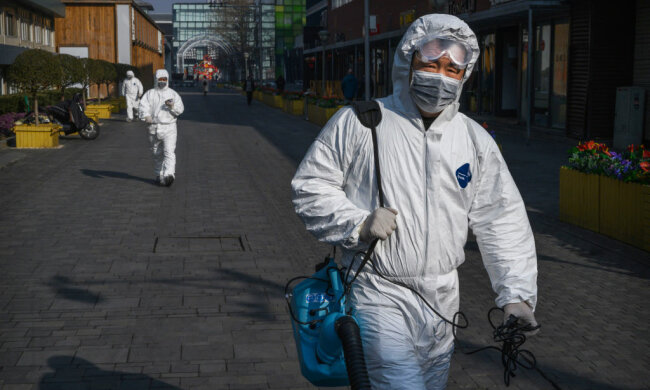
[
  {"x": 63, "y": 286},
  {"x": 555, "y": 377},
  {"x": 115, "y": 175},
  {"x": 77, "y": 373},
  {"x": 254, "y": 286},
  {"x": 290, "y": 134}
]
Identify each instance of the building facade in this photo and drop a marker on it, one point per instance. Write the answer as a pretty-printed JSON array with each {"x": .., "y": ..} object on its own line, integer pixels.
[
  {"x": 570, "y": 86},
  {"x": 25, "y": 24},
  {"x": 290, "y": 18},
  {"x": 239, "y": 36},
  {"x": 118, "y": 31},
  {"x": 164, "y": 22}
]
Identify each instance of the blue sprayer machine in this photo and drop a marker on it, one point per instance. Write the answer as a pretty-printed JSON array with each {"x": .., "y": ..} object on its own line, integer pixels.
[{"x": 328, "y": 340}]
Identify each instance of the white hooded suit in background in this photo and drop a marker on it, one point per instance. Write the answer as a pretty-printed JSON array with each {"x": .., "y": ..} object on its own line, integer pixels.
[
  {"x": 132, "y": 90},
  {"x": 442, "y": 181},
  {"x": 162, "y": 128}
]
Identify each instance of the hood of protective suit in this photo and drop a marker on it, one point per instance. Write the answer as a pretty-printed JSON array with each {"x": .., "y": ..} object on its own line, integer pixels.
[
  {"x": 160, "y": 73},
  {"x": 129, "y": 73},
  {"x": 440, "y": 25}
]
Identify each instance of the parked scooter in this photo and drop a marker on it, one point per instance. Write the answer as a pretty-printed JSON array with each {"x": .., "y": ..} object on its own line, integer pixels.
[{"x": 70, "y": 115}]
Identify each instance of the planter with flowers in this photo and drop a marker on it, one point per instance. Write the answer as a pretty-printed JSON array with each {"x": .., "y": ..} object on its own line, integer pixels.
[
  {"x": 608, "y": 192},
  {"x": 319, "y": 111},
  {"x": 32, "y": 72},
  {"x": 272, "y": 97},
  {"x": 293, "y": 103}
]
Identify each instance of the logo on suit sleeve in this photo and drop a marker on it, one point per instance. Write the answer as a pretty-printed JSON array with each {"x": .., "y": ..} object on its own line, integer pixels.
[{"x": 463, "y": 175}]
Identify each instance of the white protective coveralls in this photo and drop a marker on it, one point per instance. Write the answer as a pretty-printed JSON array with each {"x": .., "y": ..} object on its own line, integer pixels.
[
  {"x": 162, "y": 132},
  {"x": 425, "y": 177},
  {"x": 131, "y": 90}
]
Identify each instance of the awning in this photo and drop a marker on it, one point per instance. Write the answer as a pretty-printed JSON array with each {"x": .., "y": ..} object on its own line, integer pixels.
[
  {"x": 358, "y": 41},
  {"x": 49, "y": 7},
  {"x": 8, "y": 53},
  {"x": 513, "y": 12}
]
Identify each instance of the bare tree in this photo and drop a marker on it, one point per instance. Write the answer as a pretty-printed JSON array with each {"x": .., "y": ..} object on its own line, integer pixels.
[{"x": 235, "y": 22}]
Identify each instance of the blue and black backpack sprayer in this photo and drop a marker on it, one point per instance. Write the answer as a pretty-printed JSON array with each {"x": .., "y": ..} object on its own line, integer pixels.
[{"x": 328, "y": 338}]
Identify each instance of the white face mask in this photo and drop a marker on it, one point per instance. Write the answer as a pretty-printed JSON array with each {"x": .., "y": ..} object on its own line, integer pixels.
[{"x": 432, "y": 92}]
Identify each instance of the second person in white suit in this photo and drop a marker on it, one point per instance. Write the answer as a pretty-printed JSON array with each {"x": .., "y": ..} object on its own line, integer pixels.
[{"x": 160, "y": 107}]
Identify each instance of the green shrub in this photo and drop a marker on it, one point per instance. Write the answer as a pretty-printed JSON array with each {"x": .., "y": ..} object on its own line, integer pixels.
[
  {"x": 16, "y": 102},
  {"x": 34, "y": 71}
]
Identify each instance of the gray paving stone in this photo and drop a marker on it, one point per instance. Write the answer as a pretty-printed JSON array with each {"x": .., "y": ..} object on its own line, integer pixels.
[{"x": 67, "y": 303}]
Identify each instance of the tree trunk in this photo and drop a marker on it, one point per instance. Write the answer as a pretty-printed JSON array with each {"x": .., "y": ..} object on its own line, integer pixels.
[
  {"x": 62, "y": 93},
  {"x": 83, "y": 94},
  {"x": 38, "y": 122}
]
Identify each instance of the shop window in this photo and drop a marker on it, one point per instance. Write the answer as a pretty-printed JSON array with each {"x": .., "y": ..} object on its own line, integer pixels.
[
  {"x": 488, "y": 63},
  {"x": 560, "y": 72},
  {"x": 10, "y": 25},
  {"x": 38, "y": 34},
  {"x": 542, "y": 74}
]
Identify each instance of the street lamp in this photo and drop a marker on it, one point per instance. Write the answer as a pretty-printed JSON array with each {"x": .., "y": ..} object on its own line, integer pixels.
[{"x": 324, "y": 36}]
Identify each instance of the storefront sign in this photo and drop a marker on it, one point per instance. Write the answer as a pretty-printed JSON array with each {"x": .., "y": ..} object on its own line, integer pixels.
[
  {"x": 406, "y": 18},
  {"x": 457, "y": 7},
  {"x": 374, "y": 26}
]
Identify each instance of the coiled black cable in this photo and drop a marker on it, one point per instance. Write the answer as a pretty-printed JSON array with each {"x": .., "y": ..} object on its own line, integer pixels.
[{"x": 512, "y": 336}]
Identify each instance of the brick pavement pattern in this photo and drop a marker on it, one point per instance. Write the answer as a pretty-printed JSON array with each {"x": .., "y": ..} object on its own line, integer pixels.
[{"x": 108, "y": 281}]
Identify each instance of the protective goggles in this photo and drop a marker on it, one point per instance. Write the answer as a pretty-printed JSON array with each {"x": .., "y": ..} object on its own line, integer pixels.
[{"x": 431, "y": 49}]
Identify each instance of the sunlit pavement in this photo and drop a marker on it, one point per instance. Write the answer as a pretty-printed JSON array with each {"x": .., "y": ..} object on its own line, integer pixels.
[{"x": 108, "y": 281}]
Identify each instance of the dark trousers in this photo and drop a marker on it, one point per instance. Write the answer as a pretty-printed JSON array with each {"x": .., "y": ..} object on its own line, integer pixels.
[{"x": 249, "y": 97}]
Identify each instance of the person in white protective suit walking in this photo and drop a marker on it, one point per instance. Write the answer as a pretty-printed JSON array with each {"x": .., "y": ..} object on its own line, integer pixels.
[
  {"x": 132, "y": 90},
  {"x": 441, "y": 173},
  {"x": 160, "y": 107}
]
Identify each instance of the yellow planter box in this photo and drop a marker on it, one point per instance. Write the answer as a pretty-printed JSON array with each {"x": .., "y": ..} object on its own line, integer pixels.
[
  {"x": 294, "y": 107},
  {"x": 277, "y": 101},
  {"x": 319, "y": 115},
  {"x": 608, "y": 206},
  {"x": 45, "y": 135},
  {"x": 273, "y": 100},
  {"x": 579, "y": 199},
  {"x": 625, "y": 211},
  {"x": 102, "y": 110},
  {"x": 92, "y": 115},
  {"x": 257, "y": 95}
]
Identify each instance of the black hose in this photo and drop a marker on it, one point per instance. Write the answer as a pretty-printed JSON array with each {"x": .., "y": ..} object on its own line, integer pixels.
[{"x": 348, "y": 331}]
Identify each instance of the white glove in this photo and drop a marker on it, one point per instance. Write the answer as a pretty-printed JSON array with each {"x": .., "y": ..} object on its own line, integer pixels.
[
  {"x": 148, "y": 119},
  {"x": 524, "y": 313},
  {"x": 380, "y": 224}
]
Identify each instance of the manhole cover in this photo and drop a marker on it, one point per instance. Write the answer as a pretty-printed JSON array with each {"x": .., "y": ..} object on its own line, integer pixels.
[{"x": 200, "y": 244}]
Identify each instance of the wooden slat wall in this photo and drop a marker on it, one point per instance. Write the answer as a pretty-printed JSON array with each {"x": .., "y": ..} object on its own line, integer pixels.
[
  {"x": 642, "y": 58},
  {"x": 596, "y": 55},
  {"x": 144, "y": 50},
  {"x": 578, "y": 82},
  {"x": 93, "y": 25},
  {"x": 147, "y": 62},
  {"x": 608, "y": 53},
  {"x": 88, "y": 25}
]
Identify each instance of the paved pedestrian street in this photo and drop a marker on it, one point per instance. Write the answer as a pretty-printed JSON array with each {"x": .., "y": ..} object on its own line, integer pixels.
[{"x": 108, "y": 281}]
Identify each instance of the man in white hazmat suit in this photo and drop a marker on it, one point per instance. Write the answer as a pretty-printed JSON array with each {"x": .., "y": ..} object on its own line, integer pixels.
[
  {"x": 441, "y": 173},
  {"x": 132, "y": 90},
  {"x": 160, "y": 107}
]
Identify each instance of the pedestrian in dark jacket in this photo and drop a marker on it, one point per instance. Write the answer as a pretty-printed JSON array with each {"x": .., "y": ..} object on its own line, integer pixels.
[
  {"x": 280, "y": 83},
  {"x": 349, "y": 86},
  {"x": 249, "y": 87}
]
